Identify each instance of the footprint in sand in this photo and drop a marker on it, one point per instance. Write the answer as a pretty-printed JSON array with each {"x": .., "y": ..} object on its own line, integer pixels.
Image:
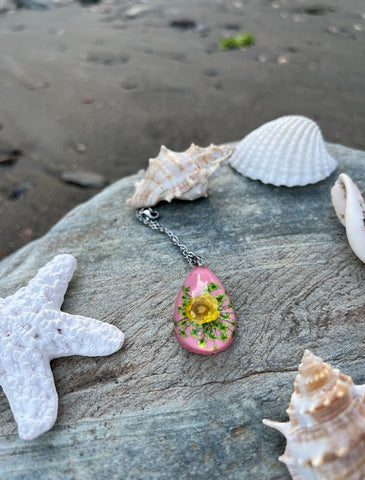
[{"x": 106, "y": 58}]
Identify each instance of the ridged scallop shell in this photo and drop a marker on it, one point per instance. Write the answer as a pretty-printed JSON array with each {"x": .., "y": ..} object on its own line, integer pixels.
[
  {"x": 182, "y": 175},
  {"x": 350, "y": 210},
  {"x": 287, "y": 151},
  {"x": 326, "y": 432}
]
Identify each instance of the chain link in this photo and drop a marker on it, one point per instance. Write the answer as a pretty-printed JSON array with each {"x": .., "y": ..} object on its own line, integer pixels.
[{"x": 148, "y": 217}]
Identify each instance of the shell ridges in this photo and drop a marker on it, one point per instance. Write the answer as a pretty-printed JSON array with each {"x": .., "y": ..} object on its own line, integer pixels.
[
  {"x": 182, "y": 175},
  {"x": 288, "y": 151},
  {"x": 326, "y": 429}
]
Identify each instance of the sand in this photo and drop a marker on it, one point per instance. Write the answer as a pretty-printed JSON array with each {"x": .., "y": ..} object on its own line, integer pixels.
[{"x": 99, "y": 88}]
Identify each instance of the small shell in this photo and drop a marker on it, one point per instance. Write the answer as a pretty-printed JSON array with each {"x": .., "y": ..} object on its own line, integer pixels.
[
  {"x": 326, "y": 432},
  {"x": 350, "y": 210},
  {"x": 182, "y": 175},
  {"x": 287, "y": 151}
]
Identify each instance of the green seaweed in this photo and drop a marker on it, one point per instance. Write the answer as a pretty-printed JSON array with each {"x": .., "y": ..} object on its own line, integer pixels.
[{"x": 238, "y": 41}]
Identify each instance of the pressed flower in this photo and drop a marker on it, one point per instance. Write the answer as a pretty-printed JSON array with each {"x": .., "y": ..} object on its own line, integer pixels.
[{"x": 202, "y": 309}]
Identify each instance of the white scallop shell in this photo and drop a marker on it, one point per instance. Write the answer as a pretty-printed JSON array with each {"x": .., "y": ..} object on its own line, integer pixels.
[
  {"x": 287, "y": 151},
  {"x": 182, "y": 175},
  {"x": 326, "y": 431},
  {"x": 350, "y": 210}
]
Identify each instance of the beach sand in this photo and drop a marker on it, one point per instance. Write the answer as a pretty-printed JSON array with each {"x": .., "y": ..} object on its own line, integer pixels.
[{"x": 99, "y": 88}]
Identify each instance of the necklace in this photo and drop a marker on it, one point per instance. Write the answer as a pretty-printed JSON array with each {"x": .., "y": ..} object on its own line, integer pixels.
[{"x": 204, "y": 317}]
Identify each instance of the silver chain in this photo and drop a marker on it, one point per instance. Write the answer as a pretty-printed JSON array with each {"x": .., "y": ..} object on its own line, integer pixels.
[{"x": 148, "y": 216}]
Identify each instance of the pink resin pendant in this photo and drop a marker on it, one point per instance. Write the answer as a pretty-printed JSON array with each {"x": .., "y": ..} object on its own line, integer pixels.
[{"x": 204, "y": 317}]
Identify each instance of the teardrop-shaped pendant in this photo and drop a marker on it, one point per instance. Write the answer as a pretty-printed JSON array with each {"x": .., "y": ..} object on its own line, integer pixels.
[{"x": 204, "y": 317}]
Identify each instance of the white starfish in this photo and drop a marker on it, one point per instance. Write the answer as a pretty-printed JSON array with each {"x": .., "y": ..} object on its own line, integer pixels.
[{"x": 33, "y": 330}]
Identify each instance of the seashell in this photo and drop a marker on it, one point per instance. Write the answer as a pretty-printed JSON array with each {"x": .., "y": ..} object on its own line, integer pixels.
[
  {"x": 350, "y": 210},
  {"x": 326, "y": 431},
  {"x": 182, "y": 175},
  {"x": 287, "y": 151}
]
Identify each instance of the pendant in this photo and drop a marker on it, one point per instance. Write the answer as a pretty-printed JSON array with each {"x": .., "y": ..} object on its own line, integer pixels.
[{"x": 204, "y": 317}]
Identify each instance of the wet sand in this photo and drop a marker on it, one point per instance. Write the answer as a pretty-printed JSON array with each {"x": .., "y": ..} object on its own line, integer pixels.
[{"x": 100, "y": 88}]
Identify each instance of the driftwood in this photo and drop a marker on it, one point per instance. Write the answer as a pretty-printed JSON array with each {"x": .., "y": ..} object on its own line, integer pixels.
[{"x": 153, "y": 410}]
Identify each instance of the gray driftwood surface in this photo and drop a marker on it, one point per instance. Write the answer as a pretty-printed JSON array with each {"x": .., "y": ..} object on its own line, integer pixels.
[{"x": 153, "y": 410}]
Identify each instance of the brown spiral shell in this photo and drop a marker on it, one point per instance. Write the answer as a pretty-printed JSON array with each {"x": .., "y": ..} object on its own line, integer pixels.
[
  {"x": 326, "y": 429},
  {"x": 182, "y": 175}
]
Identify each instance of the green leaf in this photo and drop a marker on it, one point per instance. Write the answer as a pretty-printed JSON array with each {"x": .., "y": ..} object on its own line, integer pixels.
[
  {"x": 182, "y": 333},
  {"x": 202, "y": 343},
  {"x": 213, "y": 286},
  {"x": 213, "y": 325},
  {"x": 222, "y": 327},
  {"x": 223, "y": 337},
  {"x": 230, "y": 305},
  {"x": 221, "y": 297},
  {"x": 211, "y": 336},
  {"x": 194, "y": 332}
]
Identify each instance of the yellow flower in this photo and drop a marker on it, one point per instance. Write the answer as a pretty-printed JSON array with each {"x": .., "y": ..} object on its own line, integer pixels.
[{"x": 202, "y": 309}]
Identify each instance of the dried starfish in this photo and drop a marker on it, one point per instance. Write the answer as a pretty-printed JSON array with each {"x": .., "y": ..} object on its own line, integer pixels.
[{"x": 33, "y": 330}]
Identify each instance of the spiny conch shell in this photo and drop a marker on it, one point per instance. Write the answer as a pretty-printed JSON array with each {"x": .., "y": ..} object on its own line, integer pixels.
[
  {"x": 182, "y": 175},
  {"x": 326, "y": 432},
  {"x": 287, "y": 151},
  {"x": 350, "y": 210}
]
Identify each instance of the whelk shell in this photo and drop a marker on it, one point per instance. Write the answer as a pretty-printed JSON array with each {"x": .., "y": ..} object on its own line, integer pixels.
[
  {"x": 182, "y": 175},
  {"x": 326, "y": 431},
  {"x": 287, "y": 151},
  {"x": 350, "y": 210}
]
